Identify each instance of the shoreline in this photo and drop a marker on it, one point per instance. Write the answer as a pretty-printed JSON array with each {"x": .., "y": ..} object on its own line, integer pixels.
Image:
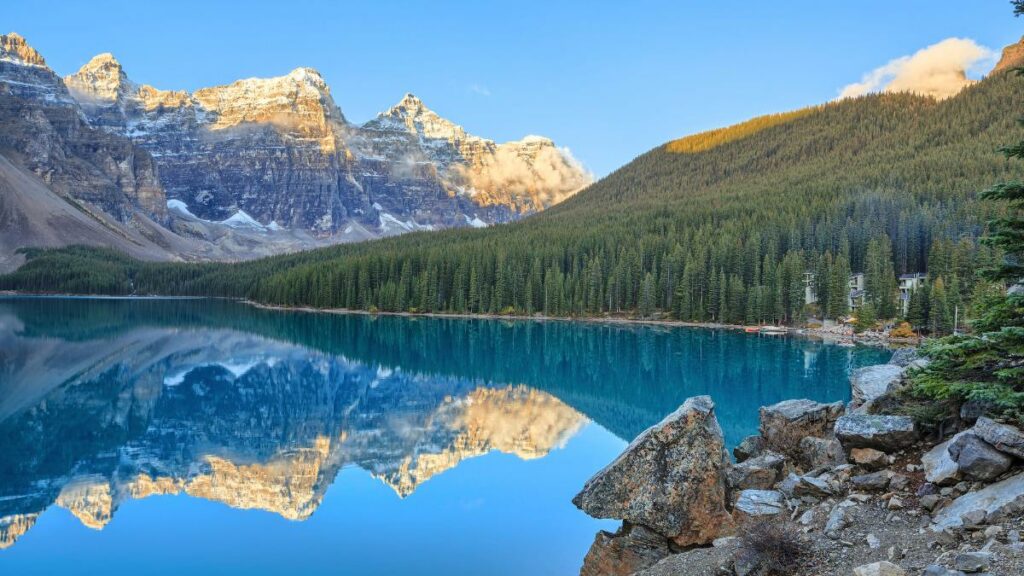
[
  {"x": 871, "y": 339},
  {"x": 825, "y": 335}
]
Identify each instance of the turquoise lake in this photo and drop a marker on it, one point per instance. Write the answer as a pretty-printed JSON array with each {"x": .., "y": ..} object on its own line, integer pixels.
[{"x": 210, "y": 437}]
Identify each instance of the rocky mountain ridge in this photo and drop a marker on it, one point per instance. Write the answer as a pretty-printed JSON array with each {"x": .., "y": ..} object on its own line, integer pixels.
[
  {"x": 276, "y": 153},
  {"x": 281, "y": 150}
]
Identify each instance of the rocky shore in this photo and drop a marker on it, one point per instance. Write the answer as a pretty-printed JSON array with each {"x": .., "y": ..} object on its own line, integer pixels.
[{"x": 823, "y": 489}]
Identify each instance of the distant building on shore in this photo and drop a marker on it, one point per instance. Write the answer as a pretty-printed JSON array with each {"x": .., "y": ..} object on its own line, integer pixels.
[
  {"x": 810, "y": 289},
  {"x": 856, "y": 297},
  {"x": 909, "y": 283}
]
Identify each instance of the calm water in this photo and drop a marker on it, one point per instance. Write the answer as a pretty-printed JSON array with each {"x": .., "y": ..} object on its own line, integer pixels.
[{"x": 205, "y": 437}]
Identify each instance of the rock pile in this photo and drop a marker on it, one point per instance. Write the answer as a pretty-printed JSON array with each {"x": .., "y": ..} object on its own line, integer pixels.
[{"x": 861, "y": 492}]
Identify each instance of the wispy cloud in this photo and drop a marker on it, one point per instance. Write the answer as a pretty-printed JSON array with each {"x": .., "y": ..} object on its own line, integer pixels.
[
  {"x": 939, "y": 70},
  {"x": 479, "y": 89}
]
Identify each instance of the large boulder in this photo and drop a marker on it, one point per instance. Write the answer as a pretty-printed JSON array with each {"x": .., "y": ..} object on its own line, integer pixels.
[
  {"x": 870, "y": 382},
  {"x": 886, "y": 433},
  {"x": 631, "y": 549},
  {"x": 997, "y": 502},
  {"x": 671, "y": 478},
  {"x": 977, "y": 459},
  {"x": 785, "y": 424},
  {"x": 1003, "y": 437}
]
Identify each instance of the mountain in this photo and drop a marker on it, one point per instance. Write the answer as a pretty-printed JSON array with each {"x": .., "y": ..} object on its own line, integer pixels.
[
  {"x": 281, "y": 151},
  {"x": 722, "y": 226},
  {"x": 259, "y": 166},
  {"x": 61, "y": 178}
]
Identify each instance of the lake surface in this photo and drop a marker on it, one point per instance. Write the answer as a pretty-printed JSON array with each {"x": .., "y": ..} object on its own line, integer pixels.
[{"x": 210, "y": 437}]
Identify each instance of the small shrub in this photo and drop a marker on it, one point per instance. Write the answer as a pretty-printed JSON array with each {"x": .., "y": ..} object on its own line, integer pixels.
[
  {"x": 771, "y": 546},
  {"x": 903, "y": 330}
]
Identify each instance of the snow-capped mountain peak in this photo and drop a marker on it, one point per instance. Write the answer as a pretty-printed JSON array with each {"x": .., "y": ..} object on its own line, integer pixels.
[
  {"x": 101, "y": 79},
  {"x": 14, "y": 48},
  {"x": 410, "y": 114}
]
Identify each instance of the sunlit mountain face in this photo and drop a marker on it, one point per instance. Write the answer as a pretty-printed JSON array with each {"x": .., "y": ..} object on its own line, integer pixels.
[{"x": 125, "y": 413}]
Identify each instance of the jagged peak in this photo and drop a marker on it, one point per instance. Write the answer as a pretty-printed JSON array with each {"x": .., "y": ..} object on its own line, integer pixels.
[
  {"x": 102, "y": 59},
  {"x": 303, "y": 76},
  {"x": 410, "y": 114},
  {"x": 536, "y": 140},
  {"x": 306, "y": 74},
  {"x": 1013, "y": 57},
  {"x": 101, "y": 78},
  {"x": 410, "y": 100},
  {"x": 14, "y": 47}
]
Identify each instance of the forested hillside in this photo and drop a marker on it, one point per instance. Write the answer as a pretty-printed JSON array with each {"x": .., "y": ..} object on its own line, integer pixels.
[{"x": 718, "y": 226}]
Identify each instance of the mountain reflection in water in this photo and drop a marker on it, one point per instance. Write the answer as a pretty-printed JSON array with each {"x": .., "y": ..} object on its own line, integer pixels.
[{"x": 103, "y": 401}]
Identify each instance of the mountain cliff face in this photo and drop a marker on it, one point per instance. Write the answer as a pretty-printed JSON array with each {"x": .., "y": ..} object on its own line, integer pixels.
[
  {"x": 281, "y": 151},
  {"x": 44, "y": 129},
  {"x": 256, "y": 167}
]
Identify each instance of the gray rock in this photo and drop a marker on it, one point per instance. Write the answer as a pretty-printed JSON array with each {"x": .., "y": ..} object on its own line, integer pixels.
[
  {"x": 939, "y": 466},
  {"x": 873, "y": 542},
  {"x": 998, "y": 501},
  {"x": 936, "y": 570},
  {"x": 749, "y": 447},
  {"x": 972, "y": 561},
  {"x": 625, "y": 552},
  {"x": 821, "y": 452},
  {"x": 755, "y": 503},
  {"x": 904, "y": 356},
  {"x": 973, "y": 518},
  {"x": 785, "y": 424},
  {"x": 879, "y": 569},
  {"x": 724, "y": 541},
  {"x": 1003, "y": 437},
  {"x": 837, "y": 520},
  {"x": 807, "y": 518},
  {"x": 971, "y": 410},
  {"x": 977, "y": 459},
  {"x": 884, "y": 433},
  {"x": 760, "y": 473},
  {"x": 930, "y": 502},
  {"x": 919, "y": 364},
  {"x": 811, "y": 486},
  {"x": 671, "y": 478},
  {"x": 788, "y": 485},
  {"x": 899, "y": 482},
  {"x": 870, "y": 382},
  {"x": 877, "y": 481}
]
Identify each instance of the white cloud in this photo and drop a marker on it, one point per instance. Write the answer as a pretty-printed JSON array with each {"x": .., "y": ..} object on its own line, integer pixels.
[
  {"x": 939, "y": 70},
  {"x": 531, "y": 168},
  {"x": 478, "y": 89}
]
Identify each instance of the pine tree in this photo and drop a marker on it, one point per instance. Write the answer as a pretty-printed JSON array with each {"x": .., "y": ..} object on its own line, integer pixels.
[
  {"x": 647, "y": 296},
  {"x": 939, "y": 319}
]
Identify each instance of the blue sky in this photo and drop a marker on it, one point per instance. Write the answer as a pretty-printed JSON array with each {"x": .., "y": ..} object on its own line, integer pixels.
[{"x": 608, "y": 80}]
